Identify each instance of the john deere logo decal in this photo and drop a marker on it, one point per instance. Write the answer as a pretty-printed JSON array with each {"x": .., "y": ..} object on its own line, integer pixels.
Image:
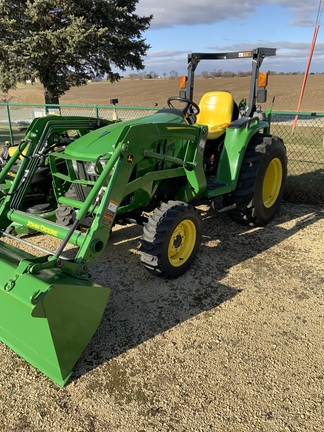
[{"x": 130, "y": 158}]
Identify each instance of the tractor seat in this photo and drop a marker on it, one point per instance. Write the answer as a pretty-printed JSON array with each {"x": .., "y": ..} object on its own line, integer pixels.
[{"x": 216, "y": 111}]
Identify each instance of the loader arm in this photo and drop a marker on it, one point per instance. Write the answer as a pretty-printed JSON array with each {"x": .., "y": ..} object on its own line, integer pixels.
[
  {"x": 49, "y": 308},
  {"x": 46, "y": 316}
]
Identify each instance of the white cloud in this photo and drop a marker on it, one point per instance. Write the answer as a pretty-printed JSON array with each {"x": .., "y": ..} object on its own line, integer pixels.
[
  {"x": 291, "y": 56},
  {"x": 282, "y": 46},
  {"x": 303, "y": 13},
  {"x": 190, "y": 12}
]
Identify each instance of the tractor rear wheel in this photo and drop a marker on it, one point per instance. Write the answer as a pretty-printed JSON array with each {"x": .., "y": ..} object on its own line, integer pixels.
[
  {"x": 171, "y": 239},
  {"x": 261, "y": 181}
]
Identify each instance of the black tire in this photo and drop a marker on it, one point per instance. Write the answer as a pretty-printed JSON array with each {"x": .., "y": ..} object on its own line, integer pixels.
[
  {"x": 261, "y": 181},
  {"x": 65, "y": 215},
  {"x": 171, "y": 239}
]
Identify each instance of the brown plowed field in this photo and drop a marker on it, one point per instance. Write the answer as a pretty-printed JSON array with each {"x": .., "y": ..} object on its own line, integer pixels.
[{"x": 285, "y": 89}]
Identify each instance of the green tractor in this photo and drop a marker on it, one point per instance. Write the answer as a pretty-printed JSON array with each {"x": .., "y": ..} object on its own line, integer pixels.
[{"x": 153, "y": 171}]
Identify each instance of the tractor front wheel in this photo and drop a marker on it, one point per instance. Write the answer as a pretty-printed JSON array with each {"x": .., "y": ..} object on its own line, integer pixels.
[
  {"x": 65, "y": 215},
  {"x": 261, "y": 181},
  {"x": 171, "y": 239}
]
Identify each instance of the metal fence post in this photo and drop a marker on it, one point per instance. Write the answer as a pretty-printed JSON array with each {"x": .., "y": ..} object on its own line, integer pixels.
[{"x": 10, "y": 125}]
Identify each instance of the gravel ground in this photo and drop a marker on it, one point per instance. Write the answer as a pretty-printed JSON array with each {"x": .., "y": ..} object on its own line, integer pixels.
[{"x": 235, "y": 345}]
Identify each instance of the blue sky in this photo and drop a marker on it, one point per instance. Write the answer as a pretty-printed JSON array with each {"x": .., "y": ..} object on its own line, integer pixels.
[{"x": 183, "y": 26}]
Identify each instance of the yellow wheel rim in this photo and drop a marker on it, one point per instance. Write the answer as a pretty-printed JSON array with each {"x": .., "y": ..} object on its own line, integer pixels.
[
  {"x": 272, "y": 183},
  {"x": 182, "y": 243}
]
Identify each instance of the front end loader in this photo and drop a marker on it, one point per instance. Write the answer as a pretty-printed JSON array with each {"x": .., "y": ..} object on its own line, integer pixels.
[
  {"x": 152, "y": 171},
  {"x": 49, "y": 307}
]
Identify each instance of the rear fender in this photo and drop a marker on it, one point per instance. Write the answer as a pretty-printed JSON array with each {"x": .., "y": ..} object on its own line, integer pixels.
[{"x": 237, "y": 138}]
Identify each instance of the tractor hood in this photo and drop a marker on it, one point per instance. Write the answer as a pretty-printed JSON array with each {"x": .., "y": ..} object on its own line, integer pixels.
[{"x": 105, "y": 139}]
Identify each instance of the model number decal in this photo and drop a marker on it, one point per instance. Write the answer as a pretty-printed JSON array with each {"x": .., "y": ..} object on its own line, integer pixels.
[{"x": 110, "y": 213}]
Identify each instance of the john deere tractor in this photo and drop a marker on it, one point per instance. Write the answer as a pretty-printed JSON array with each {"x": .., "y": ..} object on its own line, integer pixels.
[{"x": 153, "y": 170}]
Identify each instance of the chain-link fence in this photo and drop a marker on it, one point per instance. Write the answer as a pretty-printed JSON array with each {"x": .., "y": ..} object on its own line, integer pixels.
[
  {"x": 15, "y": 118},
  {"x": 305, "y": 150},
  {"x": 305, "y": 143}
]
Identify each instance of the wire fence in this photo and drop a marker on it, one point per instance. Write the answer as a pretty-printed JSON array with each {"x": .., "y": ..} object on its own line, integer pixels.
[
  {"x": 305, "y": 150},
  {"x": 15, "y": 118},
  {"x": 305, "y": 144}
]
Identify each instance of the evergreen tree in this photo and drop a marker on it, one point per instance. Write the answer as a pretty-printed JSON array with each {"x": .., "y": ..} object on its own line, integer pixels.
[{"x": 64, "y": 42}]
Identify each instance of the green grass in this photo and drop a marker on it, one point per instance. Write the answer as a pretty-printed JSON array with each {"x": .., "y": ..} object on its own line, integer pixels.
[
  {"x": 305, "y": 151},
  {"x": 306, "y": 188}
]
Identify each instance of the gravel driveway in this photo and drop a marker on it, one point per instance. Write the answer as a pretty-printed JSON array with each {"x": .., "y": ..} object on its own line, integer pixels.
[{"x": 235, "y": 345}]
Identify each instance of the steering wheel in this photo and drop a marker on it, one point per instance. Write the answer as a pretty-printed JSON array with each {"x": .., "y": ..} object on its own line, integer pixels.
[{"x": 190, "y": 110}]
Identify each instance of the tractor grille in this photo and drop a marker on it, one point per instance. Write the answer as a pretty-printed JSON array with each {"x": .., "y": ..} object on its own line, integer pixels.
[{"x": 83, "y": 191}]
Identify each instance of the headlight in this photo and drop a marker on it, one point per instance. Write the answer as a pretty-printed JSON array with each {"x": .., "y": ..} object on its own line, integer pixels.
[
  {"x": 95, "y": 168},
  {"x": 90, "y": 168},
  {"x": 75, "y": 166}
]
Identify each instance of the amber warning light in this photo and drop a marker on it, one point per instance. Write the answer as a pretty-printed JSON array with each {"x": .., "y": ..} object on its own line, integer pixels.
[
  {"x": 182, "y": 82},
  {"x": 262, "y": 79}
]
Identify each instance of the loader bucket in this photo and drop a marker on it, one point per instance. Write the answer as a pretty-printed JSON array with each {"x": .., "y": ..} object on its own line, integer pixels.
[{"x": 47, "y": 318}]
